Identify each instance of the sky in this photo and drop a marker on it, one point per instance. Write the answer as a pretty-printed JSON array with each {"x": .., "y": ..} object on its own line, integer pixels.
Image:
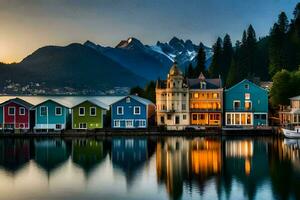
[{"x": 26, "y": 25}]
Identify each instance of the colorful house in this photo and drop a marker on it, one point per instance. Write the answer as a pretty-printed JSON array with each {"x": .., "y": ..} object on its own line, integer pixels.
[
  {"x": 132, "y": 112},
  {"x": 206, "y": 101},
  {"x": 16, "y": 114},
  {"x": 88, "y": 115},
  {"x": 246, "y": 104},
  {"x": 290, "y": 115},
  {"x": 50, "y": 115}
]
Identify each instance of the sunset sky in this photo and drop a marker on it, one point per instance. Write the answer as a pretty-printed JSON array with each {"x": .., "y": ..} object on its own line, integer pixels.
[{"x": 26, "y": 25}]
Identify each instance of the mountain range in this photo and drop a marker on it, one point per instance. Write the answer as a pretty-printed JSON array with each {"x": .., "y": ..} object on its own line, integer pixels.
[{"x": 93, "y": 66}]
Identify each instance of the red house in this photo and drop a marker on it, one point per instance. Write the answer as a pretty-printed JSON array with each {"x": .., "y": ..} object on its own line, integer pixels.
[{"x": 16, "y": 114}]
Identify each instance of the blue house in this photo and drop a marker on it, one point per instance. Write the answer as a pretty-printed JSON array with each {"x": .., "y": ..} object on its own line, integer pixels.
[
  {"x": 246, "y": 104},
  {"x": 132, "y": 112},
  {"x": 50, "y": 116}
]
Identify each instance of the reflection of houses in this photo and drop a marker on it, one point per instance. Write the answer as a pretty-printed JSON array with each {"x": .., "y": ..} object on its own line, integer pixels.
[
  {"x": 14, "y": 153},
  {"x": 180, "y": 161},
  {"x": 129, "y": 154},
  {"x": 291, "y": 114},
  {"x": 49, "y": 154},
  {"x": 88, "y": 153}
]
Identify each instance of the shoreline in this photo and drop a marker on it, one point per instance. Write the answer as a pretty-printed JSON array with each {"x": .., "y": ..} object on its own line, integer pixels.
[{"x": 272, "y": 131}]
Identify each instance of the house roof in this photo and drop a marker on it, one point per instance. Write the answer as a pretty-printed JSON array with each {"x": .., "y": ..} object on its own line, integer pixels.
[
  {"x": 245, "y": 80},
  {"x": 211, "y": 83},
  {"x": 295, "y": 98},
  {"x": 34, "y": 107},
  {"x": 18, "y": 101},
  {"x": 95, "y": 102},
  {"x": 139, "y": 99}
]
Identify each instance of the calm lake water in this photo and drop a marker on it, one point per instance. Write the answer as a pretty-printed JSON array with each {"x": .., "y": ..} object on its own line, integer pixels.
[{"x": 150, "y": 168}]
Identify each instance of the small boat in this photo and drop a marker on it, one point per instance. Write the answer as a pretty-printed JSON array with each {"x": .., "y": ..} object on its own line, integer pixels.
[{"x": 291, "y": 133}]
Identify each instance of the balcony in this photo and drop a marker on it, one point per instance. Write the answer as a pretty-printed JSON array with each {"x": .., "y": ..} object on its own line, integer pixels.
[{"x": 205, "y": 110}]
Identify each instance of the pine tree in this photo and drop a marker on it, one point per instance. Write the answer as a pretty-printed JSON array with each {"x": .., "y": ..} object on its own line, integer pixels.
[
  {"x": 201, "y": 58},
  {"x": 251, "y": 50},
  {"x": 190, "y": 71},
  {"x": 226, "y": 57},
  {"x": 214, "y": 69}
]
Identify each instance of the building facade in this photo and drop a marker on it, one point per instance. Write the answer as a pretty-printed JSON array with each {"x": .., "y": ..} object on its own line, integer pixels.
[
  {"x": 291, "y": 115},
  {"x": 50, "y": 115},
  {"x": 205, "y": 101},
  {"x": 88, "y": 115},
  {"x": 172, "y": 100},
  {"x": 16, "y": 114},
  {"x": 246, "y": 104},
  {"x": 132, "y": 112}
]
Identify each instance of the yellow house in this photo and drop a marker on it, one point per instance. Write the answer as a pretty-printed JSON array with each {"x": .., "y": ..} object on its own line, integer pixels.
[{"x": 206, "y": 101}]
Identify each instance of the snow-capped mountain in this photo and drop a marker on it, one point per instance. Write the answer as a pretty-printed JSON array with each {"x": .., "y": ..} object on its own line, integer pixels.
[
  {"x": 151, "y": 61},
  {"x": 184, "y": 52}
]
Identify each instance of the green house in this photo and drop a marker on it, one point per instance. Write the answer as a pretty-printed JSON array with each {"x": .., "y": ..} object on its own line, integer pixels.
[{"x": 88, "y": 115}]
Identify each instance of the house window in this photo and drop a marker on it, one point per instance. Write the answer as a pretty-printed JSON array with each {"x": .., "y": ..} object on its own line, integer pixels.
[
  {"x": 249, "y": 119},
  {"x": 11, "y": 110},
  {"x": 196, "y": 95},
  {"x": 246, "y": 86},
  {"x": 136, "y": 110},
  {"x": 58, "y": 127},
  {"x": 236, "y": 105},
  {"x": 117, "y": 123},
  {"x": 194, "y": 116},
  {"x": 129, "y": 123},
  {"x": 202, "y": 116},
  {"x": 215, "y": 95},
  {"x": 120, "y": 110},
  {"x": 183, "y": 106},
  {"x": 22, "y": 111},
  {"x": 237, "y": 118},
  {"x": 264, "y": 116},
  {"x": 43, "y": 111},
  {"x": 228, "y": 121},
  {"x": 128, "y": 100},
  {"x": 162, "y": 119},
  {"x": 248, "y": 105},
  {"x": 142, "y": 123},
  {"x": 184, "y": 117},
  {"x": 82, "y": 125},
  {"x": 169, "y": 117},
  {"x": 247, "y": 96},
  {"x": 58, "y": 111},
  {"x": 81, "y": 111},
  {"x": 92, "y": 111},
  {"x": 202, "y": 85}
]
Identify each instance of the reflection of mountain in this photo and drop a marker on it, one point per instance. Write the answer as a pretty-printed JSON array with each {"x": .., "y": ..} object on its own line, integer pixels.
[
  {"x": 88, "y": 153},
  {"x": 49, "y": 154},
  {"x": 130, "y": 154},
  {"x": 14, "y": 153}
]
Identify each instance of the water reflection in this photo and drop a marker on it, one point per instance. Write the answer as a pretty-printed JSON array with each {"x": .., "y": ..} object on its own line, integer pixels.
[{"x": 154, "y": 168}]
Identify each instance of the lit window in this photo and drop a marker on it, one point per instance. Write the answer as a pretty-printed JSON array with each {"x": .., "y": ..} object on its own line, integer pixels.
[
  {"x": 120, "y": 110},
  {"x": 247, "y": 96},
  {"x": 196, "y": 95},
  {"x": 43, "y": 111},
  {"x": 81, "y": 111},
  {"x": 248, "y": 105},
  {"x": 215, "y": 95},
  {"x": 22, "y": 111}
]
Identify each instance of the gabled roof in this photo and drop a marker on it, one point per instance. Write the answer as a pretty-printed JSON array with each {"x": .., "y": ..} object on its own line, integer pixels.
[
  {"x": 34, "y": 107},
  {"x": 18, "y": 101},
  {"x": 295, "y": 98},
  {"x": 245, "y": 80},
  {"x": 211, "y": 83},
  {"x": 95, "y": 102},
  {"x": 139, "y": 99}
]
